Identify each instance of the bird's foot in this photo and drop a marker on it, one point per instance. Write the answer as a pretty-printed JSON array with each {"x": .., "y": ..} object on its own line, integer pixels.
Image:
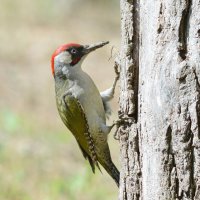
[
  {"x": 120, "y": 124},
  {"x": 117, "y": 123},
  {"x": 116, "y": 68}
]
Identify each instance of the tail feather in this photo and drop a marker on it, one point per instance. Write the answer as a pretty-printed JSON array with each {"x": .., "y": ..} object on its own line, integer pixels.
[{"x": 112, "y": 171}]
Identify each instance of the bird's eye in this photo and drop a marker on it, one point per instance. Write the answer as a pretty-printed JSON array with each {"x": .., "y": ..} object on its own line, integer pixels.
[{"x": 73, "y": 51}]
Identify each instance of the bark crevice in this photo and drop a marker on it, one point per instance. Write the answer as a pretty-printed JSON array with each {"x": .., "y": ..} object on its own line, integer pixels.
[
  {"x": 171, "y": 164},
  {"x": 184, "y": 29}
]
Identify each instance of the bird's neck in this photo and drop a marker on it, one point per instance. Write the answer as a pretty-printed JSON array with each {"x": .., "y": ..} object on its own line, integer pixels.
[{"x": 68, "y": 76}]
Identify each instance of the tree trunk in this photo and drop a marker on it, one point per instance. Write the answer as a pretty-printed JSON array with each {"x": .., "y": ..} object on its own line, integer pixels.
[{"x": 160, "y": 100}]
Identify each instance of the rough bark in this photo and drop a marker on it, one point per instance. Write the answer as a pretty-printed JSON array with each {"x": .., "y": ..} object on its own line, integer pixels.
[
  {"x": 160, "y": 136},
  {"x": 128, "y": 134}
]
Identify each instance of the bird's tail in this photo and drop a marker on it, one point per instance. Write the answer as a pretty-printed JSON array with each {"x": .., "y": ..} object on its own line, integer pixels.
[{"x": 112, "y": 171}]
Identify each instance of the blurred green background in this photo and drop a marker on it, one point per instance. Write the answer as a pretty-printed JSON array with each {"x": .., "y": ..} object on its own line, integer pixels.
[{"x": 39, "y": 159}]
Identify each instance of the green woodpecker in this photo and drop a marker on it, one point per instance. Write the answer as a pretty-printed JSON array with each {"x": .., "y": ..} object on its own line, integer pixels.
[{"x": 81, "y": 106}]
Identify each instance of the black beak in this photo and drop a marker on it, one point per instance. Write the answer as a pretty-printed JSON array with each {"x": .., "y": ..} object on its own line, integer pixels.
[{"x": 89, "y": 48}]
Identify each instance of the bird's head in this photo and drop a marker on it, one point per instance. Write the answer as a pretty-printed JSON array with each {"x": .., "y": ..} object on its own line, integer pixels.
[{"x": 70, "y": 55}]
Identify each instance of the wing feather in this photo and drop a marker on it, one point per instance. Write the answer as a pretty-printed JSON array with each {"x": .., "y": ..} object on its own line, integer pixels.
[{"x": 74, "y": 118}]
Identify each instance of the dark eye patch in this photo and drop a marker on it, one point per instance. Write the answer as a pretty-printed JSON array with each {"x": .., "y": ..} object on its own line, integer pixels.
[{"x": 76, "y": 53}]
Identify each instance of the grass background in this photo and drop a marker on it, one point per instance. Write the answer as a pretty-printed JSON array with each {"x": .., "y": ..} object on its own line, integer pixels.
[{"x": 39, "y": 159}]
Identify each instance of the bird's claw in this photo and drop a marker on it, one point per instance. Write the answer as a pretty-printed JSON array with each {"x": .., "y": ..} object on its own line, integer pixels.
[
  {"x": 117, "y": 123},
  {"x": 116, "y": 68}
]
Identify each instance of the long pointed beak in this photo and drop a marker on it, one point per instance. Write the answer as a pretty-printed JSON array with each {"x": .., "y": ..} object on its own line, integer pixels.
[{"x": 89, "y": 48}]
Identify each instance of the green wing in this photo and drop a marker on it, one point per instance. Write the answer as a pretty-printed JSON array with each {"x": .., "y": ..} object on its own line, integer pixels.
[{"x": 72, "y": 114}]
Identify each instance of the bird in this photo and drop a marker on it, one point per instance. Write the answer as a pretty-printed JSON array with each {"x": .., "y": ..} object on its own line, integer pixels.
[{"x": 82, "y": 108}]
